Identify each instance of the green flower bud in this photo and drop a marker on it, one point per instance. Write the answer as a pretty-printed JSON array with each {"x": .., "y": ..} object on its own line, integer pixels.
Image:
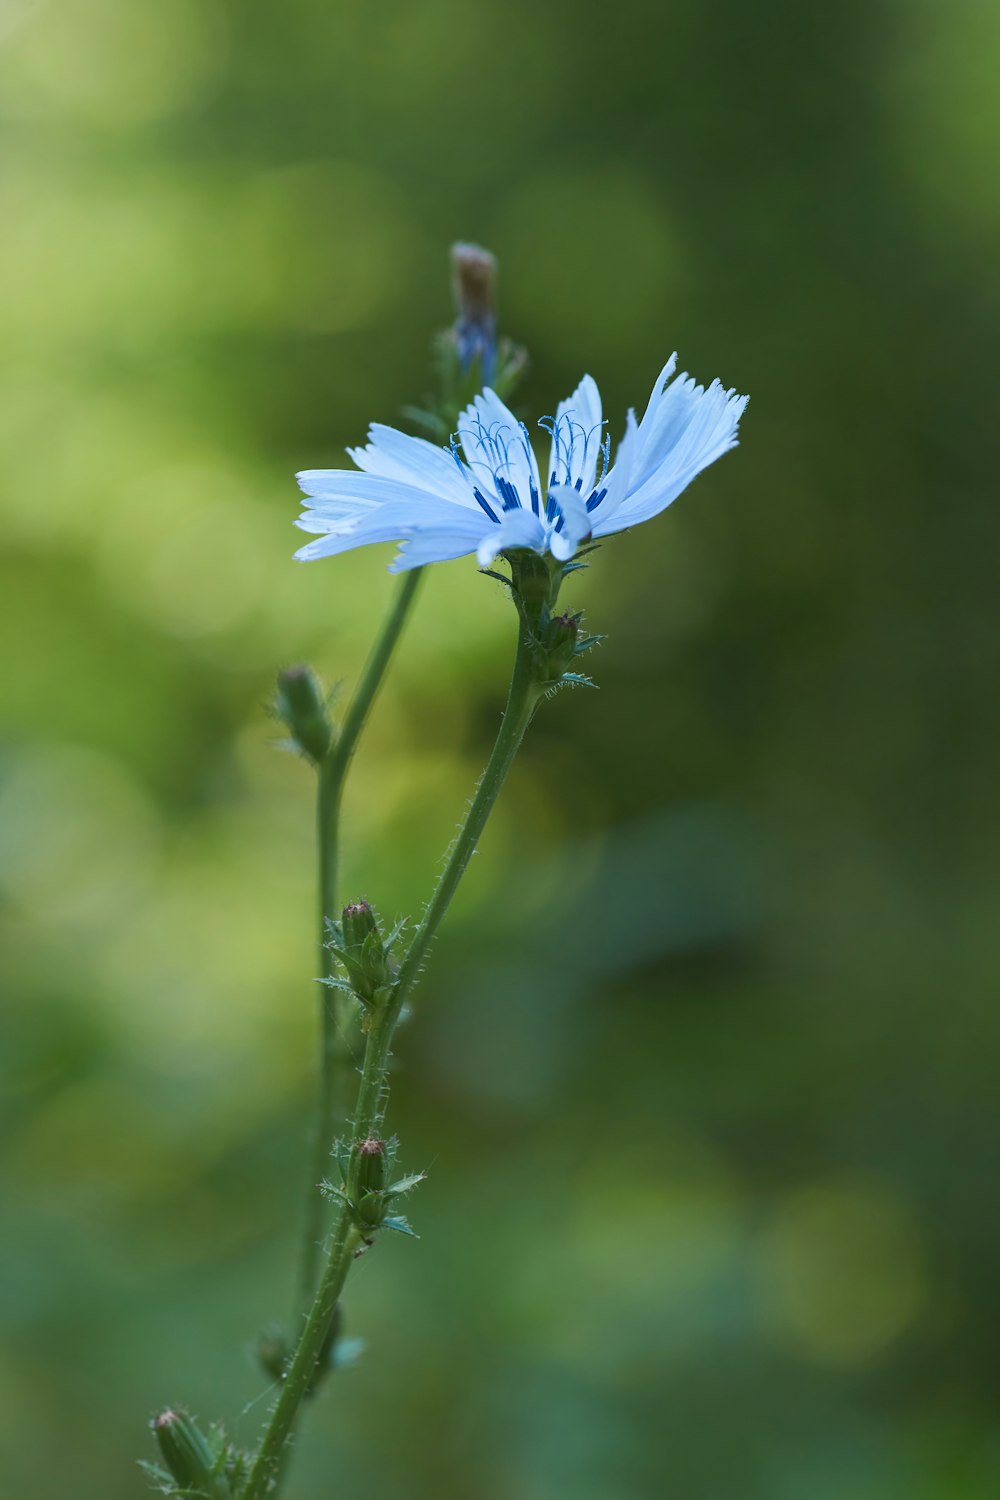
[
  {"x": 369, "y": 1166},
  {"x": 186, "y": 1453},
  {"x": 359, "y": 923},
  {"x": 559, "y": 643},
  {"x": 364, "y": 954},
  {"x": 302, "y": 706},
  {"x": 369, "y": 1169}
]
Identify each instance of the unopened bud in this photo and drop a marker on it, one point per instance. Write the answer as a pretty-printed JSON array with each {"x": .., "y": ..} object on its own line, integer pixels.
[
  {"x": 369, "y": 1166},
  {"x": 368, "y": 1177},
  {"x": 559, "y": 643},
  {"x": 363, "y": 952},
  {"x": 186, "y": 1452},
  {"x": 302, "y": 706},
  {"x": 474, "y": 276},
  {"x": 359, "y": 923}
]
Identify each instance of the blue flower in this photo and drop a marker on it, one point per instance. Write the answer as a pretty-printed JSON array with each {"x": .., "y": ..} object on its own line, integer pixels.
[{"x": 486, "y": 494}]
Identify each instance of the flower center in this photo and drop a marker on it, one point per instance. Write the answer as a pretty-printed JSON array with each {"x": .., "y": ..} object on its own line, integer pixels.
[{"x": 499, "y": 458}]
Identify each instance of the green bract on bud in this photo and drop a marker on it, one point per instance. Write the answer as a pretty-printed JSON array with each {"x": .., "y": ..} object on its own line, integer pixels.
[
  {"x": 364, "y": 953},
  {"x": 186, "y": 1453},
  {"x": 301, "y": 705}
]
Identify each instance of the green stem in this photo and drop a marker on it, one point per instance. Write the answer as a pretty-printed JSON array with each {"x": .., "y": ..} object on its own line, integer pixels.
[
  {"x": 372, "y": 1096},
  {"x": 335, "y": 1007},
  {"x": 523, "y": 697},
  {"x": 522, "y": 700}
]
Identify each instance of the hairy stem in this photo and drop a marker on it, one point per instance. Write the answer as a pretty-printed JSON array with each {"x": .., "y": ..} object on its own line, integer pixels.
[
  {"x": 336, "y": 1013},
  {"x": 523, "y": 697}
]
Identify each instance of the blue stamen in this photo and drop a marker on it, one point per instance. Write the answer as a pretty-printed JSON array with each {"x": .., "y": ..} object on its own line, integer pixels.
[
  {"x": 596, "y": 498},
  {"x": 487, "y": 507}
]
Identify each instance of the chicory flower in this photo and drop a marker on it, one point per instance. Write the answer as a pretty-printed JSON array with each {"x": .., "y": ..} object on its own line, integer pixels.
[{"x": 486, "y": 493}]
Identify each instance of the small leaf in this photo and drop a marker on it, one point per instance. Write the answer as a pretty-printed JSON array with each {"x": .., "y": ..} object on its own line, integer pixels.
[
  {"x": 405, "y": 1184},
  {"x": 332, "y": 983},
  {"x": 333, "y": 1193},
  {"x": 397, "y": 931},
  {"x": 400, "y": 1225},
  {"x": 491, "y": 573}
]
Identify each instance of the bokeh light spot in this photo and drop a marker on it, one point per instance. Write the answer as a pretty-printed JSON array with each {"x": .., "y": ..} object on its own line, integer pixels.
[
  {"x": 192, "y": 554},
  {"x": 78, "y": 837},
  {"x": 842, "y": 1271},
  {"x": 116, "y": 65},
  {"x": 618, "y": 276}
]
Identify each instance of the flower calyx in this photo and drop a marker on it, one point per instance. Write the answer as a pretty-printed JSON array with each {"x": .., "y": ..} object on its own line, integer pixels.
[{"x": 368, "y": 1188}]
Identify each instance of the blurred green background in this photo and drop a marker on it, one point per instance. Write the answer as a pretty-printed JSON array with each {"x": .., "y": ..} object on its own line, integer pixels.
[{"x": 705, "y": 1070}]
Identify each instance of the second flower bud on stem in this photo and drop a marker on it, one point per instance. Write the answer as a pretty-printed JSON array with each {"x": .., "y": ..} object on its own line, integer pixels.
[{"x": 364, "y": 954}]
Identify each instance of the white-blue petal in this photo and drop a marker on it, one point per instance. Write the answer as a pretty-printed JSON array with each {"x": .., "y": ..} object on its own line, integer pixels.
[
  {"x": 576, "y": 522},
  {"x": 616, "y": 485},
  {"x": 412, "y": 460},
  {"x": 346, "y": 538},
  {"x": 351, "y": 484},
  {"x": 654, "y": 402},
  {"x": 519, "y": 528},
  {"x": 709, "y": 430},
  {"x": 439, "y": 544},
  {"x": 390, "y": 523},
  {"x": 577, "y": 436},
  {"x": 496, "y": 445}
]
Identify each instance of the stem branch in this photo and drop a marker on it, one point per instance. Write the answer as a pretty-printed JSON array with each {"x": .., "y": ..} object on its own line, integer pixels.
[
  {"x": 335, "y": 1007},
  {"x": 523, "y": 697}
]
